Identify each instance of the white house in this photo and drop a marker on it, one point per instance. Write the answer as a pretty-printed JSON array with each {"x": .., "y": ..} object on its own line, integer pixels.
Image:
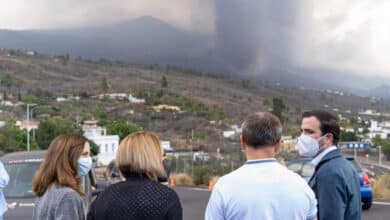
[
  {"x": 236, "y": 128},
  {"x": 200, "y": 155},
  {"x": 31, "y": 53},
  {"x": 370, "y": 112},
  {"x": 7, "y": 103},
  {"x": 108, "y": 144},
  {"x": 228, "y": 134},
  {"x": 381, "y": 134},
  {"x": 113, "y": 95},
  {"x": 166, "y": 145},
  {"x": 135, "y": 100},
  {"x": 61, "y": 99},
  {"x": 379, "y": 129}
]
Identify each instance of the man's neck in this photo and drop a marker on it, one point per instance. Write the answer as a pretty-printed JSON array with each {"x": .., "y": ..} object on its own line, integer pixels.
[
  {"x": 258, "y": 154},
  {"x": 322, "y": 149}
]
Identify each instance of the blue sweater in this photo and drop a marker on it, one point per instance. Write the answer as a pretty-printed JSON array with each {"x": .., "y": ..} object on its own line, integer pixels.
[{"x": 336, "y": 185}]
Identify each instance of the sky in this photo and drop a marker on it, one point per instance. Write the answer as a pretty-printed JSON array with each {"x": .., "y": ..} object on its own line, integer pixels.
[{"x": 344, "y": 35}]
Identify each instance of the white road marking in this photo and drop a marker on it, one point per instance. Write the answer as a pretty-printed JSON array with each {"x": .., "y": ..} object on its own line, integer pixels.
[
  {"x": 381, "y": 203},
  {"x": 198, "y": 189}
]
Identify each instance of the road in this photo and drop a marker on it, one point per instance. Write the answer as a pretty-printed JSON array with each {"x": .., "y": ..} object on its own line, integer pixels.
[{"x": 194, "y": 202}]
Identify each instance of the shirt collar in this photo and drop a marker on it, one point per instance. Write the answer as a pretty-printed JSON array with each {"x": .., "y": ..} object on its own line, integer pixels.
[
  {"x": 319, "y": 157},
  {"x": 264, "y": 160}
]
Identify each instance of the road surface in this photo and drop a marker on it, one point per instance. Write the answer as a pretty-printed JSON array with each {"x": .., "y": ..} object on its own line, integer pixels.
[{"x": 194, "y": 202}]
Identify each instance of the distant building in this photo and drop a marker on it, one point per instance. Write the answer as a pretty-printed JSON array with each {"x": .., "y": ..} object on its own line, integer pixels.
[
  {"x": 7, "y": 103},
  {"x": 236, "y": 128},
  {"x": 75, "y": 98},
  {"x": 29, "y": 125},
  {"x": 379, "y": 129},
  {"x": 158, "y": 108},
  {"x": 62, "y": 99},
  {"x": 31, "y": 53},
  {"x": 228, "y": 134},
  {"x": 113, "y": 95},
  {"x": 200, "y": 156},
  {"x": 135, "y": 100},
  {"x": 166, "y": 145},
  {"x": 108, "y": 144},
  {"x": 370, "y": 113}
]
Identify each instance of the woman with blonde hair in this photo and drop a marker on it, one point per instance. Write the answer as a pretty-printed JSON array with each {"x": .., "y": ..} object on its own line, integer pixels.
[
  {"x": 140, "y": 161},
  {"x": 57, "y": 182}
]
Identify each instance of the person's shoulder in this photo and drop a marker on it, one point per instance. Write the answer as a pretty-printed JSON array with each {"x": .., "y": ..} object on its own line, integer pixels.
[
  {"x": 161, "y": 187},
  {"x": 293, "y": 177},
  {"x": 55, "y": 189},
  {"x": 64, "y": 193},
  {"x": 290, "y": 174},
  {"x": 233, "y": 175},
  {"x": 67, "y": 191},
  {"x": 335, "y": 168},
  {"x": 229, "y": 181}
]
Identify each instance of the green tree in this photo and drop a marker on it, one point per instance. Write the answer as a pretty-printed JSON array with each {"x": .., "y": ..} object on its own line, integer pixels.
[
  {"x": 386, "y": 148},
  {"x": 164, "y": 82},
  {"x": 7, "y": 81},
  {"x": 12, "y": 138},
  {"x": 266, "y": 102},
  {"x": 278, "y": 107},
  {"x": 50, "y": 128},
  {"x": 105, "y": 84},
  {"x": 121, "y": 128},
  {"x": 377, "y": 141},
  {"x": 95, "y": 149},
  {"x": 348, "y": 136},
  {"x": 18, "y": 83}
]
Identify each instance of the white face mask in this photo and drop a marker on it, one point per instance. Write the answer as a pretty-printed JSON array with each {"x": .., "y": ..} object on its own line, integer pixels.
[{"x": 308, "y": 146}]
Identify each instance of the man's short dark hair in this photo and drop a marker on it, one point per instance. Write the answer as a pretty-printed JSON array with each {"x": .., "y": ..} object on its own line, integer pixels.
[
  {"x": 329, "y": 123},
  {"x": 261, "y": 129}
]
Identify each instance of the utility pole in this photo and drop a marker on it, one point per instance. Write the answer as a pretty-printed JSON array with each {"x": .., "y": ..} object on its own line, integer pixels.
[
  {"x": 380, "y": 155},
  {"x": 27, "y": 131},
  {"x": 28, "y": 124},
  {"x": 192, "y": 154}
]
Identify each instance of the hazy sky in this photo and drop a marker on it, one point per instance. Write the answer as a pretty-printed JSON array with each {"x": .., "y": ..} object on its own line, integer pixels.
[{"x": 344, "y": 35}]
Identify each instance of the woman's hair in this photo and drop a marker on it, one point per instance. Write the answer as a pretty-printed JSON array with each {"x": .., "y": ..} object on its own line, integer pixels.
[
  {"x": 60, "y": 164},
  {"x": 140, "y": 154}
]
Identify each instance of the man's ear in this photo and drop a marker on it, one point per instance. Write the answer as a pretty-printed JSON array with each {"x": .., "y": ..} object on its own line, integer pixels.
[
  {"x": 242, "y": 143},
  {"x": 330, "y": 138},
  {"x": 278, "y": 146}
]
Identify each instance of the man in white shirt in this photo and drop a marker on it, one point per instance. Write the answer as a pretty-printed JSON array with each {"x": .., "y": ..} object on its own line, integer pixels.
[
  {"x": 261, "y": 188},
  {"x": 4, "y": 178}
]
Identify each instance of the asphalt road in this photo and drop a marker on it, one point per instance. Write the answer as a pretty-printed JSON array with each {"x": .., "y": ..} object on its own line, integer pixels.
[{"x": 194, "y": 202}]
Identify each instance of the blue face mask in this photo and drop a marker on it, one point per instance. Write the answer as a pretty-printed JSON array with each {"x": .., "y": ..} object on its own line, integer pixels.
[{"x": 84, "y": 166}]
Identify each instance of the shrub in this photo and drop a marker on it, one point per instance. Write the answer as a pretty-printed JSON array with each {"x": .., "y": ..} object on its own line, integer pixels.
[
  {"x": 381, "y": 187},
  {"x": 181, "y": 179}
]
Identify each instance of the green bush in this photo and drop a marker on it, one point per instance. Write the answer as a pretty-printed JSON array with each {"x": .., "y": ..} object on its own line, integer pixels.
[
  {"x": 386, "y": 148},
  {"x": 95, "y": 149},
  {"x": 121, "y": 128},
  {"x": 50, "y": 128}
]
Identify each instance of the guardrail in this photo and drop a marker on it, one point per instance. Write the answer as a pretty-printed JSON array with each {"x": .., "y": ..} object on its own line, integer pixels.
[{"x": 382, "y": 168}]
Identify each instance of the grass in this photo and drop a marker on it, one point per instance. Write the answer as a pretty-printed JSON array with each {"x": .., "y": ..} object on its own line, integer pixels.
[
  {"x": 381, "y": 187},
  {"x": 181, "y": 179}
]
